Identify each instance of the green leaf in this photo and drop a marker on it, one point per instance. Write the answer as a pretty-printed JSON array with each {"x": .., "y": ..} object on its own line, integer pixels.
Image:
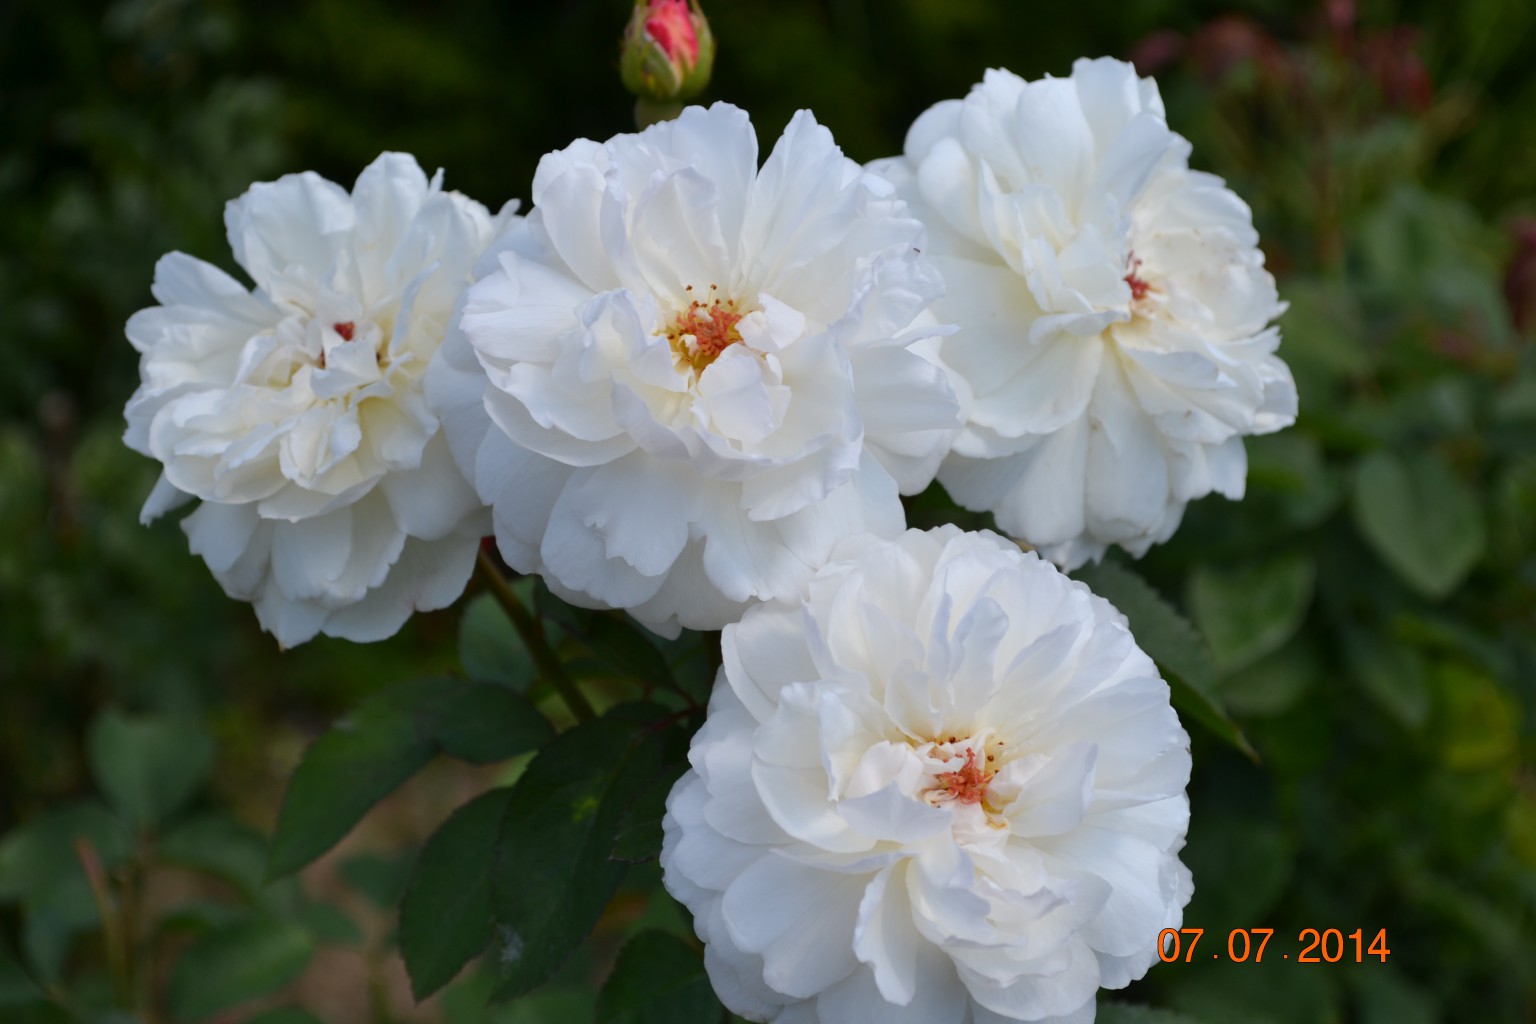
[
  {"x": 1388, "y": 996},
  {"x": 1264, "y": 850},
  {"x": 484, "y": 724},
  {"x": 612, "y": 637},
  {"x": 658, "y": 979},
  {"x": 554, "y": 873},
  {"x": 1275, "y": 683},
  {"x": 47, "y": 936},
  {"x": 1248, "y": 611},
  {"x": 389, "y": 738},
  {"x": 1394, "y": 674},
  {"x": 16, "y": 985},
  {"x": 329, "y": 925},
  {"x": 219, "y": 846},
  {"x": 236, "y": 964},
  {"x": 490, "y": 649},
  {"x": 639, "y": 832},
  {"x": 380, "y": 879},
  {"x": 445, "y": 915},
  {"x": 194, "y": 917},
  {"x": 1124, "y": 1013},
  {"x": 147, "y": 766},
  {"x": 1170, "y": 640},
  {"x": 1420, "y": 519},
  {"x": 37, "y": 856}
]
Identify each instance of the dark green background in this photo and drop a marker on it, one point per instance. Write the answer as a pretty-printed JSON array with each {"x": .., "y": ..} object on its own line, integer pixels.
[{"x": 1370, "y": 606}]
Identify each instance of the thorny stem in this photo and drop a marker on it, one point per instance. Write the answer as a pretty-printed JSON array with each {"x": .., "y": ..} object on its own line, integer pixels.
[{"x": 532, "y": 632}]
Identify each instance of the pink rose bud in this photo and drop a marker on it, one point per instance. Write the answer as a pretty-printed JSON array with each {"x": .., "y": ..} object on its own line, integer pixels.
[{"x": 668, "y": 51}]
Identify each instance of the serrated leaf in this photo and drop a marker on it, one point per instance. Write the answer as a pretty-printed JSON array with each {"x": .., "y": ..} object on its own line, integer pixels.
[
  {"x": 1420, "y": 518},
  {"x": 445, "y": 914},
  {"x": 554, "y": 873},
  {"x": 389, "y": 738},
  {"x": 1171, "y": 641},
  {"x": 658, "y": 979},
  {"x": 1248, "y": 611},
  {"x": 237, "y": 964},
  {"x": 148, "y": 766}
]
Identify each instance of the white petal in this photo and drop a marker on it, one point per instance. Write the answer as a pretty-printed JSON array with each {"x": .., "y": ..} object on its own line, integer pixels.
[{"x": 798, "y": 918}]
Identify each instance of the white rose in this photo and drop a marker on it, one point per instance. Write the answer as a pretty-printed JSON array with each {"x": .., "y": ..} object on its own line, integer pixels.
[
  {"x": 297, "y": 412},
  {"x": 684, "y": 378},
  {"x": 1112, "y": 307},
  {"x": 943, "y": 787}
]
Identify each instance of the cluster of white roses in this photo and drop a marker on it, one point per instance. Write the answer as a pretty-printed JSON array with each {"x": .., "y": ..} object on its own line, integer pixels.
[{"x": 938, "y": 783}]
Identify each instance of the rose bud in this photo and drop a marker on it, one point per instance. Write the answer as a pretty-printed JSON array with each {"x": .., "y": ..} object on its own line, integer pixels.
[{"x": 668, "y": 52}]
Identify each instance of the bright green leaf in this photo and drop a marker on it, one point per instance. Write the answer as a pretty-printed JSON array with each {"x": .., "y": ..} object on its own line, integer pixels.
[
  {"x": 1420, "y": 518},
  {"x": 445, "y": 915},
  {"x": 553, "y": 872},
  {"x": 658, "y": 979},
  {"x": 148, "y": 767},
  {"x": 1248, "y": 611},
  {"x": 237, "y": 964}
]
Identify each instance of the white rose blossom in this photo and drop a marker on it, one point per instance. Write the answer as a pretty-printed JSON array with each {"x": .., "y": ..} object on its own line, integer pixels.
[
  {"x": 297, "y": 412},
  {"x": 684, "y": 379},
  {"x": 1112, "y": 308},
  {"x": 943, "y": 787}
]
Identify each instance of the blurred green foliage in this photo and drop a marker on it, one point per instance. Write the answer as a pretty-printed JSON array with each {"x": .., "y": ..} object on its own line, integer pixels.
[{"x": 1370, "y": 607}]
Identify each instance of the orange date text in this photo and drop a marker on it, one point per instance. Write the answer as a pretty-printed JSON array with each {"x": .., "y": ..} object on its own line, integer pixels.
[{"x": 1248, "y": 945}]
